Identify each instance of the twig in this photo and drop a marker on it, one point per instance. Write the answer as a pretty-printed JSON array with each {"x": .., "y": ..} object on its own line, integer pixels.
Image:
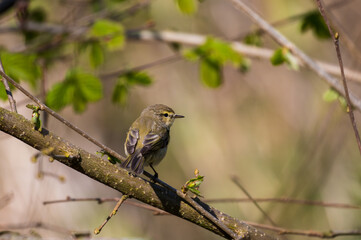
[
  {"x": 4, "y": 200},
  {"x": 296, "y": 17},
  {"x": 335, "y": 37},
  {"x": 165, "y": 60},
  {"x": 308, "y": 233},
  {"x": 46, "y": 227},
  {"x": 8, "y": 91},
  {"x": 236, "y": 180},
  {"x": 115, "y": 210},
  {"x": 286, "y": 200},
  {"x": 309, "y": 62},
  {"x": 102, "y": 200}
]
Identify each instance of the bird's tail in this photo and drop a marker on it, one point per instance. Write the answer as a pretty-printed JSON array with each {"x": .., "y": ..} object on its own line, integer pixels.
[{"x": 134, "y": 162}]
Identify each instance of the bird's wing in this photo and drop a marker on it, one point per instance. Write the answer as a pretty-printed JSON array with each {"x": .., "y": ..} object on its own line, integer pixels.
[
  {"x": 155, "y": 141},
  {"x": 131, "y": 141},
  {"x": 134, "y": 162}
]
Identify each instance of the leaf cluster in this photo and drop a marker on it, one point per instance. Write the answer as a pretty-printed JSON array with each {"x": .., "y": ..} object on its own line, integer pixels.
[
  {"x": 212, "y": 56},
  {"x": 77, "y": 89}
]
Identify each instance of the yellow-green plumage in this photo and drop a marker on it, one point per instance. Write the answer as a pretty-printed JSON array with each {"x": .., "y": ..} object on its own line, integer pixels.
[{"x": 148, "y": 138}]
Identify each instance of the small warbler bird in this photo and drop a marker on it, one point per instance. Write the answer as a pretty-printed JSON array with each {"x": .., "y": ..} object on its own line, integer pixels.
[{"x": 148, "y": 138}]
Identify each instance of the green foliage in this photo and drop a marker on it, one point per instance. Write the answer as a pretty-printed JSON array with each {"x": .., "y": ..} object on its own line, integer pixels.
[
  {"x": 77, "y": 89},
  {"x": 213, "y": 55},
  {"x": 187, "y": 6},
  {"x": 120, "y": 92},
  {"x": 110, "y": 33},
  {"x": 332, "y": 95},
  {"x": 96, "y": 54},
  {"x": 193, "y": 184},
  {"x": 21, "y": 67},
  {"x": 313, "y": 21},
  {"x": 111, "y": 159},
  {"x": 37, "y": 14},
  {"x": 3, "y": 95},
  {"x": 253, "y": 39},
  {"x": 35, "y": 117},
  {"x": 283, "y": 55},
  {"x": 210, "y": 73},
  {"x": 125, "y": 82}
]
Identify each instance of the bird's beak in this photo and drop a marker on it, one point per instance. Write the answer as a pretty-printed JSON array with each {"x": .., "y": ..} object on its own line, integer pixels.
[{"x": 178, "y": 116}]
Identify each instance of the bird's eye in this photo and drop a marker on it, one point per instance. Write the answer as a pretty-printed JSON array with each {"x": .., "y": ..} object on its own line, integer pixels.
[{"x": 165, "y": 114}]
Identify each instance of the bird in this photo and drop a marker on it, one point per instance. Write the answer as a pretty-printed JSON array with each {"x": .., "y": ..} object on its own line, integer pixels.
[{"x": 148, "y": 137}]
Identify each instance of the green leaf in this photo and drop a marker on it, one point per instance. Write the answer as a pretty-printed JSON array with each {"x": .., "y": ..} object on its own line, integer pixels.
[
  {"x": 253, "y": 39},
  {"x": 111, "y": 33},
  {"x": 103, "y": 28},
  {"x": 210, "y": 72},
  {"x": 187, "y": 6},
  {"x": 60, "y": 95},
  {"x": 278, "y": 57},
  {"x": 191, "y": 55},
  {"x": 21, "y": 67},
  {"x": 343, "y": 103},
  {"x": 330, "y": 95},
  {"x": 116, "y": 42},
  {"x": 89, "y": 86},
  {"x": 291, "y": 60},
  {"x": 219, "y": 51},
  {"x": 245, "y": 65},
  {"x": 120, "y": 92},
  {"x": 78, "y": 89},
  {"x": 283, "y": 55},
  {"x": 3, "y": 95},
  {"x": 140, "y": 78},
  {"x": 38, "y": 14},
  {"x": 96, "y": 54},
  {"x": 193, "y": 184},
  {"x": 313, "y": 21}
]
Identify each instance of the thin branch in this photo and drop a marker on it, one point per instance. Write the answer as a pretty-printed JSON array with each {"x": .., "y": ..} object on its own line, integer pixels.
[
  {"x": 236, "y": 181},
  {"x": 286, "y": 200},
  {"x": 8, "y": 90},
  {"x": 45, "y": 226},
  {"x": 335, "y": 38},
  {"x": 115, "y": 210},
  {"x": 103, "y": 200},
  {"x": 5, "y": 200},
  {"x": 296, "y": 17},
  {"x": 165, "y": 60},
  {"x": 283, "y": 41},
  {"x": 308, "y": 233}
]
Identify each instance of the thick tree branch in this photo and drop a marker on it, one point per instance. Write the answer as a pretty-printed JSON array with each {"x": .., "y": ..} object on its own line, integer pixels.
[{"x": 119, "y": 179}]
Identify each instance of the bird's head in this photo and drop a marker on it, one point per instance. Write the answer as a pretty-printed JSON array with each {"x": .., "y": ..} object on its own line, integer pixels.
[{"x": 162, "y": 113}]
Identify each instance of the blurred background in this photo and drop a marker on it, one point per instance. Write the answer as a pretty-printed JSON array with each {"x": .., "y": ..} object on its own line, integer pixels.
[{"x": 270, "y": 126}]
